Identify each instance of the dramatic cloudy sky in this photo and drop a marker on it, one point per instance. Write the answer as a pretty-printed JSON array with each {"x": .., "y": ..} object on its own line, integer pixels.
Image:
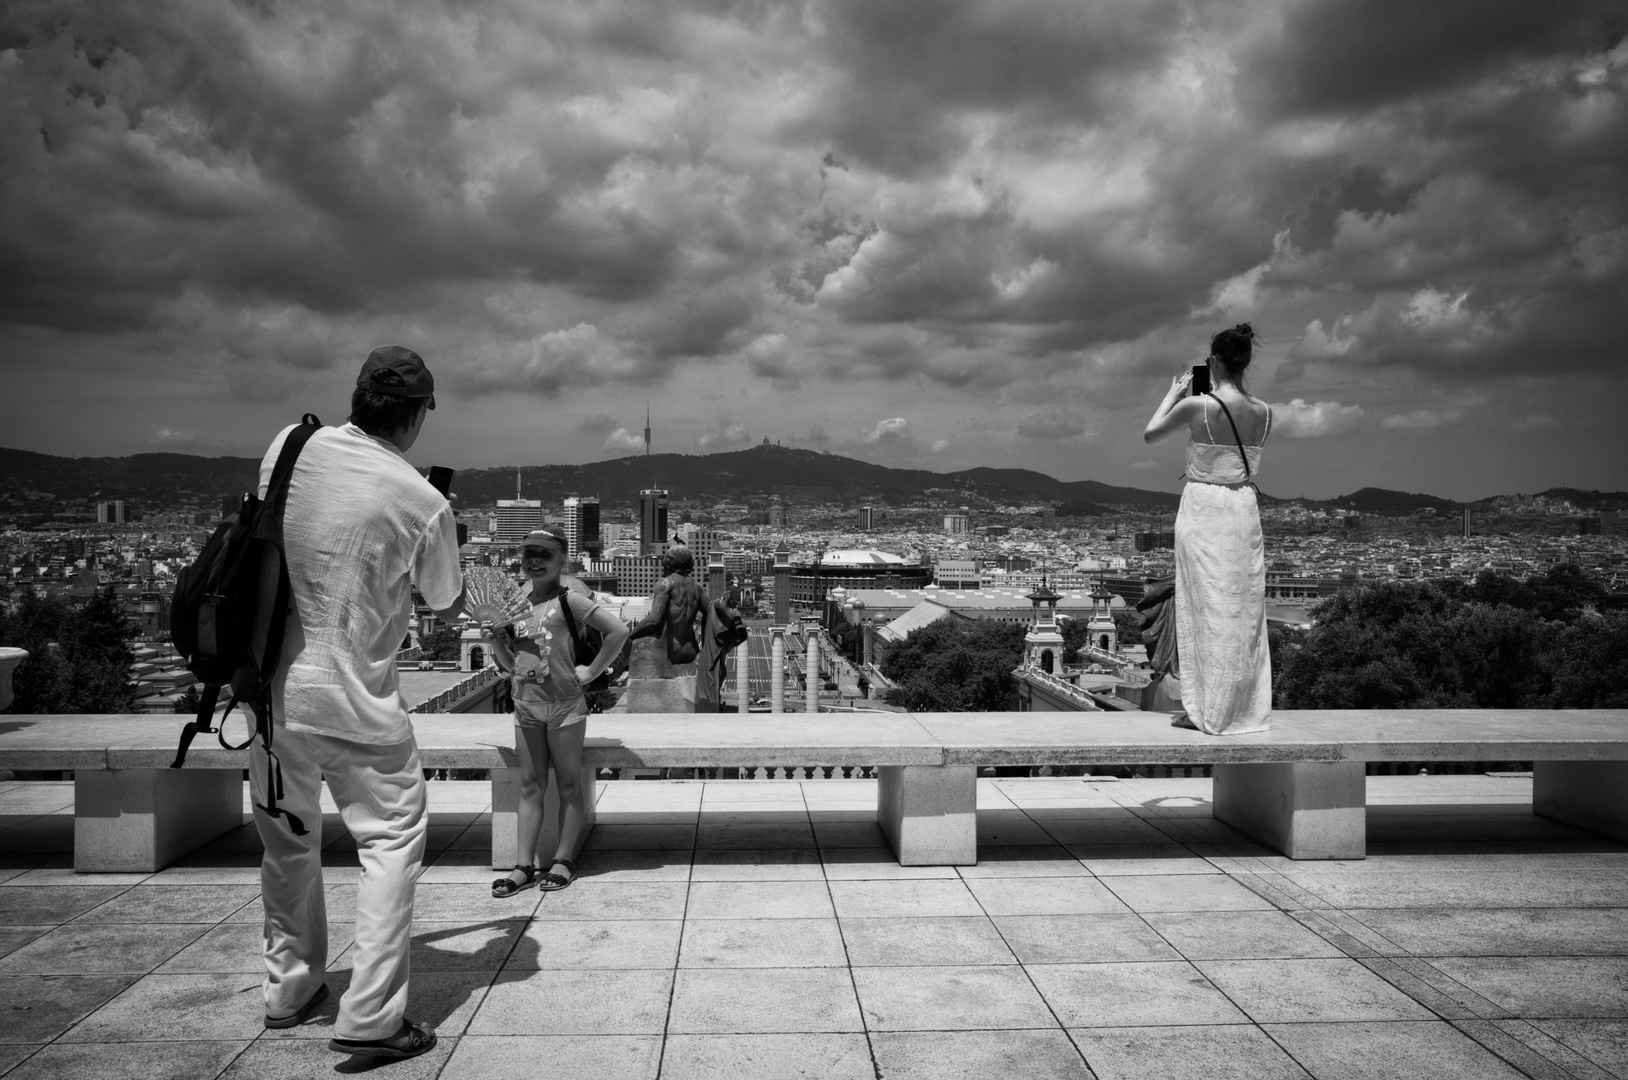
[{"x": 939, "y": 233}]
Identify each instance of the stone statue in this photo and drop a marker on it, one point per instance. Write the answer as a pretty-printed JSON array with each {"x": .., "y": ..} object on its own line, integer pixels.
[{"x": 674, "y": 606}]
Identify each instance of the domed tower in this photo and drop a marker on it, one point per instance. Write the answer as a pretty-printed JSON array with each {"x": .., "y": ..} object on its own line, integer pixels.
[
  {"x": 1043, "y": 644},
  {"x": 1104, "y": 632}
]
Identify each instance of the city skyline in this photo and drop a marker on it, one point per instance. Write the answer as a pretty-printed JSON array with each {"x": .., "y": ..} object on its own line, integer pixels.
[{"x": 932, "y": 237}]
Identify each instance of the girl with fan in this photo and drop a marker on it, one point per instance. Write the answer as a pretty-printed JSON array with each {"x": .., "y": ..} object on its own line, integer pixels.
[{"x": 550, "y": 706}]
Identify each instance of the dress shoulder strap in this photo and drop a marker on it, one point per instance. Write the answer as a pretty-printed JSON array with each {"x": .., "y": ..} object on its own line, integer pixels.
[
  {"x": 1205, "y": 405},
  {"x": 1239, "y": 439}
]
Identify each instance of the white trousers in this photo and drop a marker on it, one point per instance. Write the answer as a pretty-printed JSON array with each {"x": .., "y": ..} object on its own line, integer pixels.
[{"x": 381, "y": 797}]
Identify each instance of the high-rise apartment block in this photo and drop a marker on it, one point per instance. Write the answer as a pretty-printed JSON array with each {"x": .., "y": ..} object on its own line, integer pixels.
[
  {"x": 777, "y": 515},
  {"x": 582, "y": 526},
  {"x": 652, "y": 522},
  {"x": 1048, "y": 519},
  {"x": 636, "y": 575},
  {"x": 867, "y": 518},
  {"x": 955, "y": 524},
  {"x": 113, "y": 512},
  {"x": 515, "y": 518},
  {"x": 702, "y": 540}
]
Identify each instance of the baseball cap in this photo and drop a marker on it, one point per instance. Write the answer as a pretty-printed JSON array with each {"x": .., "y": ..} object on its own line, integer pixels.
[{"x": 397, "y": 371}]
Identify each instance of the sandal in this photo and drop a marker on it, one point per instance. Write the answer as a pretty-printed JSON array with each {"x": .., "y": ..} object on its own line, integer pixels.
[
  {"x": 552, "y": 882},
  {"x": 299, "y": 1015},
  {"x": 411, "y": 1041},
  {"x": 506, "y": 886}
]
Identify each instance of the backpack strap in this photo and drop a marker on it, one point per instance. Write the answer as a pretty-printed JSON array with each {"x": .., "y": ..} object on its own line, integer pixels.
[
  {"x": 1239, "y": 438},
  {"x": 577, "y": 645}
]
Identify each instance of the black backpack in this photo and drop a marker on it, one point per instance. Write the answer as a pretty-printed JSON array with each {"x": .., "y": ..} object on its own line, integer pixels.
[
  {"x": 229, "y": 611},
  {"x": 585, "y": 642}
]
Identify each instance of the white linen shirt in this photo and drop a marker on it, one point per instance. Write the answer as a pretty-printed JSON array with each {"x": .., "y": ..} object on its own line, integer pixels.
[{"x": 361, "y": 525}]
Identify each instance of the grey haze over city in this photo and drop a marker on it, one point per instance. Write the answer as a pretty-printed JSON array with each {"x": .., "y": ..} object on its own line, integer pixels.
[{"x": 936, "y": 235}]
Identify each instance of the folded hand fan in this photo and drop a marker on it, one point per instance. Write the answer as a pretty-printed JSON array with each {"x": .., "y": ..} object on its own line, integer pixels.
[{"x": 492, "y": 597}]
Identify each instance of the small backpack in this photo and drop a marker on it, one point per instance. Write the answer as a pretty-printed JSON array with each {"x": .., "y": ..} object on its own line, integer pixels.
[
  {"x": 585, "y": 642},
  {"x": 229, "y": 611}
]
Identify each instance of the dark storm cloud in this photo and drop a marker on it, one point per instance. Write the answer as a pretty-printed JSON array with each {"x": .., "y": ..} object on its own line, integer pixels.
[{"x": 1033, "y": 207}]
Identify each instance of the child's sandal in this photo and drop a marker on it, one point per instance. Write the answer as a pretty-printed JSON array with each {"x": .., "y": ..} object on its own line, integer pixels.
[
  {"x": 552, "y": 882},
  {"x": 507, "y": 886}
]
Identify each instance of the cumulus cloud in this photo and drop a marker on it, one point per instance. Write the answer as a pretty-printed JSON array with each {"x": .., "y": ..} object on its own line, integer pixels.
[
  {"x": 940, "y": 445},
  {"x": 1052, "y": 424},
  {"x": 1300, "y": 419},
  {"x": 727, "y": 433},
  {"x": 172, "y": 438},
  {"x": 816, "y": 436},
  {"x": 1423, "y": 419},
  {"x": 892, "y": 431},
  {"x": 623, "y": 439},
  {"x": 596, "y": 424}
]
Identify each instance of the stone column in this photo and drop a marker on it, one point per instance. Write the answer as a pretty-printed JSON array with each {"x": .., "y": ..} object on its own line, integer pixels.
[
  {"x": 743, "y": 678},
  {"x": 717, "y": 577},
  {"x": 777, "y": 669},
  {"x": 9, "y": 659},
  {"x": 812, "y": 663}
]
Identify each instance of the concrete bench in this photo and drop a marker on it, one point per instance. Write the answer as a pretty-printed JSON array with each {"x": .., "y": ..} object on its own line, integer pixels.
[
  {"x": 134, "y": 813},
  {"x": 1300, "y": 788}
]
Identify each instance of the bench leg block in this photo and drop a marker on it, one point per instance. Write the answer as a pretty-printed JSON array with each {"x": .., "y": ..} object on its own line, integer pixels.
[
  {"x": 141, "y": 820},
  {"x": 1591, "y": 795},
  {"x": 506, "y": 819},
  {"x": 1305, "y": 809},
  {"x": 929, "y": 813}
]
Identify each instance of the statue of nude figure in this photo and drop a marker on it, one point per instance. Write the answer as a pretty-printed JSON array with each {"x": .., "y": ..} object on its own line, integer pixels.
[{"x": 674, "y": 606}]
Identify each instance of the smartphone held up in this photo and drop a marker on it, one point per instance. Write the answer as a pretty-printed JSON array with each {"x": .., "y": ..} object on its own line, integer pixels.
[{"x": 1201, "y": 381}]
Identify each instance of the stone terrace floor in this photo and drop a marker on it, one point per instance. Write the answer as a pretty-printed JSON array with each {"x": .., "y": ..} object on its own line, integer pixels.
[{"x": 762, "y": 929}]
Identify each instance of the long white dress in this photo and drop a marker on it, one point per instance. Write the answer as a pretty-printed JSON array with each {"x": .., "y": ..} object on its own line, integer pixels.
[{"x": 1225, "y": 665}]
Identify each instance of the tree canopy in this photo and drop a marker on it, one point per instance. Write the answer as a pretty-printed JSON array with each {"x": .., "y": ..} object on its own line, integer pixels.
[
  {"x": 956, "y": 665},
  {"x": 78, "y": 655},
  {"x": 1496, "y": 643}
]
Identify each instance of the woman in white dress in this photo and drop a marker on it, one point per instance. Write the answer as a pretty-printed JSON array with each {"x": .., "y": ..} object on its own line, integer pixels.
[{"x": 1223, "y": 662}]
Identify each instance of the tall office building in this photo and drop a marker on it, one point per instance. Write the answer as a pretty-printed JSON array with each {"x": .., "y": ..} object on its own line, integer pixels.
[
  {"x": 636, "y": 575},
  {"x": 1048, "y": 519},
  {"x": 582, "y": 526},
  {"x": 702, "y": 540},
  {"x": 867, "y": 518},
  {"x": 955, "y": 524},
  {"x": 652, "y": 521},
  {"x": 112, "y": 512},
  {"x": 777, "y": 515},
  {"x": 515, "y": 518}
]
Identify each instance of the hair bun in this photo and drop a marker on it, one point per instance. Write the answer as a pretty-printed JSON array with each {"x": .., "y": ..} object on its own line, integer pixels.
[{"x": 1245, "y": 329}]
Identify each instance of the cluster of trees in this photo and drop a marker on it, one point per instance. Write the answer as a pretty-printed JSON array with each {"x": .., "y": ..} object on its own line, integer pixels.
[
  {"x": 956, "y": 665},
  {"x": 78, "y": 655},
  {"x": 1496, "y": 643}
]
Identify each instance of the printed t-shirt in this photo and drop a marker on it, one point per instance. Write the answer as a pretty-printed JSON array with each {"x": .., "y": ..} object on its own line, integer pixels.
[
  {"x": 544, "y": 631},
  {"x": 361, "y": 527}
]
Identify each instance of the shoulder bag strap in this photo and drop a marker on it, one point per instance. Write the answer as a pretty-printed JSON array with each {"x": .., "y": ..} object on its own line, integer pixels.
[
  {"x": 571, "y": 625},
  {"x": 1239, "y": 438}
]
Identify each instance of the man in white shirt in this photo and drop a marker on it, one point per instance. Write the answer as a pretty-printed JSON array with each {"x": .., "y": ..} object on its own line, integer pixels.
[{"x": 360, "y": 529}]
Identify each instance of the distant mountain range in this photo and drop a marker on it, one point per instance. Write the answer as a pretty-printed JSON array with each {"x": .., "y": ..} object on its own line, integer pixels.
[{"x": 749, "y": 476}]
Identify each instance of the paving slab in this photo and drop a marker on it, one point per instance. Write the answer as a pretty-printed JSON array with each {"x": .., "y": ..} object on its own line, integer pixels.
[
  {"x": 1127, "y": 830},
  {"x": 482, "y": 1057},
  {"x": 1226, "y": 1052},
  {"x": 875, "y": 864},
  {"x": 1026, "y": 861},
  {"x": 610, "y": 836},
  {"x": 553, "y": 1002},
  {"x": 925, "y": 941},
  {"x": 759, "y": 900},
  {"x": 850, "y": 834},
  {"x": 1603, "y": 1042},
  {"x": 38, "y": 1008},
  {"x": 597, "y": 900},
  {"x": 15, "y": 937},
  {"x": 1132, "y": 995},
  {"x": 1045, "y": 1054},
  {"x": 1083, "y": 939},
  {"x": 467, "y": 903},
  {"x": 13, "y": 1053},
  {"x": 755, "y": 834},
  {"x": 584, "y": 944},
  {"x": 239, "y": 947},
  {"x": 757, "y": 864},
  {"x": 1044, "y": 896},
  {"x": 1390, "y": 1051},
  {"x": 462, "y": 946},
  {"x": 76, "y": 949},
  {"x": 280, "y": 1059},
  {"x": 1119, "y": 860},
  {"x": 810, "y": 1055},
  {"x": 763, "y": 1000},
  {"x": 1545, "y": 986},
  {"x": 1239, "y": 935},
  {"x": 1310, "y": 991},
  {"x": 957, "y": 998},
  {"x": 146, "y": 905},
  {"x": 130, "y": 1061},
  {"x": 178, "y": 1007},
  {"x": 1529, "y": 887},
  {"x": 1184, "y": 892},
  {"x": 903, "y": 899},
  {"x": 33, "y": 905},
  {"x": 1006, "y": 828},
  {"x": 1502, "y": 932},
  {"x": 762, "y": 943}
]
